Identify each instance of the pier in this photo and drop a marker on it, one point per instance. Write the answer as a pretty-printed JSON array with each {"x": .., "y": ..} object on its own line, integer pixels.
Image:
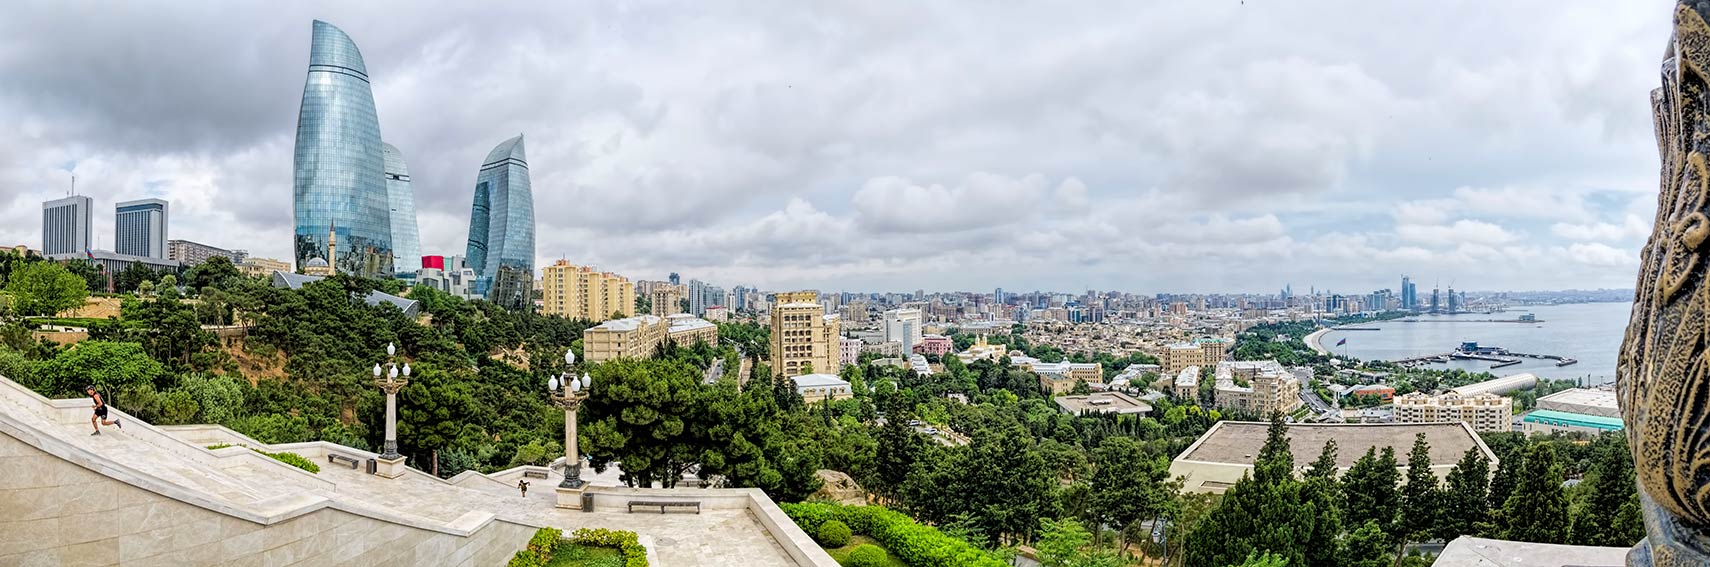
[
  {"x": 1520, "y": 320},
  {"x": 1499, "y": 358}
]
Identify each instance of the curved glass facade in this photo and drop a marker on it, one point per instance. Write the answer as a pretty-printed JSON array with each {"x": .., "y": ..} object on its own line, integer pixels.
[
  {"x": 406, "y": 241},
  {"x": 501, "y": 228},
  {"x": 339, "y": 167}
]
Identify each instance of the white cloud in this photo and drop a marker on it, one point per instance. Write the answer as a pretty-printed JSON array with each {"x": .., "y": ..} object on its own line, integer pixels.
[
  {"x": 1464, "y": 231},
  {"x": 1630, "y": 228}
]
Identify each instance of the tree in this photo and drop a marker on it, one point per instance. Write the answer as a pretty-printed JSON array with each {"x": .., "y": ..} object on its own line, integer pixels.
[
  {"x": 1260, "y": 513},
  {"x": 1264, "y": 560},
  {"x": 1421, "y": 497},
  {"x": 1064, "y": 544},
  {"x": 1325, "y": 465},
  {"x": 45, "y": 288},
  {"x": 1538, "y": 509},
  {"x": 111, "y": 366},
  {"x": 213, "y": 272},
  {"x": 1465, "y": 504},
  {"x": 638, "y": 415},
  {"x": 1502, "y": 486},
  {"x": 1133, "y": 485},
  {"x": 1275, "y": 462},
  {"x": 1369, "y": 489},
  {"x": 1322, "y": 493},
  {"x": 1609, "y": 515},
  {"x": 1366, "y": 547}
]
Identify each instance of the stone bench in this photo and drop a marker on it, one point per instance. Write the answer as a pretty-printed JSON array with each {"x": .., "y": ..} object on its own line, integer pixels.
[
  {"x": 662, "y": 505},
  {"x": 534, "y": 474},
  {"x": 334, "y": 458}
]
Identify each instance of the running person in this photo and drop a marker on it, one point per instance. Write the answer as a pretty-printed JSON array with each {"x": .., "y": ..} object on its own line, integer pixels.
[{"x": 100, "y": 417}]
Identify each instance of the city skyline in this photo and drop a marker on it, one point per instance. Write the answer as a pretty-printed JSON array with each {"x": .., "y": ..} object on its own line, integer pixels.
[{"x": 785, "y": 168}]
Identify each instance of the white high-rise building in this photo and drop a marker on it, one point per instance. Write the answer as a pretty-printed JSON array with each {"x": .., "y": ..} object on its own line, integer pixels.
[
  {"x": 66, "y": 224},
  {"x": 139, "y": 228},
  {"x": 903, "y": 326}
]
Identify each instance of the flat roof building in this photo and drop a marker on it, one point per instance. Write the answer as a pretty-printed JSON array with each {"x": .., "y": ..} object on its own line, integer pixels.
[
  {"x": 139, "y": 228},
  {"x": 1499, "y": 386},
  {"x": 66, "y": 224},
  {"x": 1103, "y": 402},
  {"x": 1225, "y": 452},
  {"x": 820, "y": 387},
  {"x": 1550, "y": 421},
  {"x": 1587, "y": 401}
]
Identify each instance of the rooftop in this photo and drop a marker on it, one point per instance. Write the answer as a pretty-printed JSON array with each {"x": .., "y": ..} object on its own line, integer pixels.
[
  {"x": 815, "y": 380},
  {"x": 1467, "y": 551},
  {"x": 628, "y": 323},
  {"x": 1582, "y": 396},
  {"x": 1103, "y": 402},
  {"x": 1237, "y": 442}
]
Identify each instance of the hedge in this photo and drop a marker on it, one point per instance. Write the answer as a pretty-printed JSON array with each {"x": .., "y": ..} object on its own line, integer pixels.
[
  {"x": 294, "y": 460},
  {"x": 634, "y": 555},
  {"x": 914, "y": 544}
]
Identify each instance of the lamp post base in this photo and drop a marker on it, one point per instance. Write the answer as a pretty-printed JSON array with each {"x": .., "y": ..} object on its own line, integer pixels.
[
  {"x": 571, "y": 498},
  {"x": 390, "y": 468}
]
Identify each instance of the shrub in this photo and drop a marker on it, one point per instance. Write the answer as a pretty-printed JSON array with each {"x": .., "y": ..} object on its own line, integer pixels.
[
  {"x": 292, "y": 459},
  {"x": 634, "y": 555},
  {"x": 525, "y": 558},
  {"x": 833, "y": 534},
  {"x": 914, "y": 544},
  {"x": 866, "y": 555},
  {"x": 544, "y": 542},
  {"x": 218, "y": 446}
]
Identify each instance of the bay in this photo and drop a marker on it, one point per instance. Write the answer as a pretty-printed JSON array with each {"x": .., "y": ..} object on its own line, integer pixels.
[{"x": 1589, "y": 332}]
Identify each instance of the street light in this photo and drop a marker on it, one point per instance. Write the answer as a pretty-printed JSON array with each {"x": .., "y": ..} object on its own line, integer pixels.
[
  {"x": 390, "y": 384},
  {"x": 568, "y": 391}
]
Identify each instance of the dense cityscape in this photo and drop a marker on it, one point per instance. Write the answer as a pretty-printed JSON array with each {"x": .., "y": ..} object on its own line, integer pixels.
[{"x": 372, "y": 400}]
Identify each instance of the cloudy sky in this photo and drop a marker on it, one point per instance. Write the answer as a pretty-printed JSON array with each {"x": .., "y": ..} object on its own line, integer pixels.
[{"x": 1215, "y": 145}]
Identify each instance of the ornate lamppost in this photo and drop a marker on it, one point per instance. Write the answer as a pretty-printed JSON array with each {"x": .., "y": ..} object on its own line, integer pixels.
[
  {"x": 391, "y": 464},
  {"x": 568, "y": 391}
]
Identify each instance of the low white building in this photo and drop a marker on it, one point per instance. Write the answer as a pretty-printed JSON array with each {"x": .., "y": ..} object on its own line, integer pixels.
[{"x": 820, "y": 387}]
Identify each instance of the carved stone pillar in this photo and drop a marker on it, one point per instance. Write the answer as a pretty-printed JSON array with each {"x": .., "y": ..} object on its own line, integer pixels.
[{"x": 1663, "y": 374}]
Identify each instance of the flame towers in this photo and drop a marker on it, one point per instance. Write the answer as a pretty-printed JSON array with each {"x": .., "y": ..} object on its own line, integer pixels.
[
  {"x": 339, "y": 167},
  {"x": 501, "y": 228},
  {"x": 406, "y": 241}
]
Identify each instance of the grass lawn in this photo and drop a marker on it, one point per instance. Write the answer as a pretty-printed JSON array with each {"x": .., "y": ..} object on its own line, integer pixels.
[
  {"x": 841, "y": 554},
  {"x": 575, "y": 555}
]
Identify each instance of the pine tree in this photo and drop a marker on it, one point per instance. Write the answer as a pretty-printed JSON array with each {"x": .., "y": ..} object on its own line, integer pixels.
[
  {"x": 1276, "y": 461},
  {"x": 1366, "y": 547},
  {"x": 1501, "y": 487},
  {"x": 1537, "y": 511},
  {"x": 1369, "y": 489},
  {"x": 1322, "y": 499},
  {"x": 1421, "y": 497},
  {"x": 1325, "y": 465},
  {"x": 1465, "y": 504},
  {"x": 1610, "y": 493},
  {"x": 1262, "y": 513}
]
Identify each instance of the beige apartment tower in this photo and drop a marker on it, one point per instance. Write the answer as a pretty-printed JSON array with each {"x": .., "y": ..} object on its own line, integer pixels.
[
  {"x": 581, "y": 292},
  {"x": 804, "y": 339}
]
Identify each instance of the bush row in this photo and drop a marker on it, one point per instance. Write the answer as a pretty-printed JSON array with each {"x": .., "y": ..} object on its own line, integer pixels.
[
  {"x": 546, "y": 541},
  {"x": 915, "y": 544}
]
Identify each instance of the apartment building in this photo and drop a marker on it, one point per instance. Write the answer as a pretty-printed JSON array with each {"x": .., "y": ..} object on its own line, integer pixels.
[
  {"x": 1201, "y": 352},
  {"x": 804, "y": 338},
  {"x": 581, "y": 292},
  {"x": 640, "y": 336},
  {"x": 1484, "y": 412}
]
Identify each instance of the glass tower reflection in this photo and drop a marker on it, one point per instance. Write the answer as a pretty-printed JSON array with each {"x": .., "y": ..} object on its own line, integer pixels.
[
  {"x": 406, "y": 241},
  {"x": 501, "y": 228},
  {"x": 339, "y": 180}
]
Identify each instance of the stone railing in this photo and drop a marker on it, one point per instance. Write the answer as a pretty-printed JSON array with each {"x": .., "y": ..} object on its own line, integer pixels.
[{"x": 789, "y": 536}]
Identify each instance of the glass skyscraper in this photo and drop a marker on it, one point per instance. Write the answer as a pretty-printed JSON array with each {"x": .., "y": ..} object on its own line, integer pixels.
[
  {"x": 139, "y": 228},
  {"x": 406, "y": 241},
  {"x": 501, "y": 228},
  {"x": 339, "y": 167}
]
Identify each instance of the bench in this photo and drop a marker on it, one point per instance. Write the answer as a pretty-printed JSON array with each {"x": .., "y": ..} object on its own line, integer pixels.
[
  {"x": 534, "y": 474},
  {"x": 662, "y": 505},
  {"x": 337, "y": 458}
]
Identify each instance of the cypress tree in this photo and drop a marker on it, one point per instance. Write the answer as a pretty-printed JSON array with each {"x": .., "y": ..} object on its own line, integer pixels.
[
  {"x": 1610, "y": 494},
  {"x": 1421, "y": 497},
  {"x": 1465, "y": 504},
  {"x": 1275, "y": 462},
  {"x": 1325, "y": 465},
  {"x": 1537, "y": 511},
  {"x": 1263, "y": 512},
  {"x": 1502, "y": 485},
  {"x": 1368, "y": 488}
]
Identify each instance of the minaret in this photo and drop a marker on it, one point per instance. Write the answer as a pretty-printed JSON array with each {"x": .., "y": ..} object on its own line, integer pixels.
[{"x": 332, "y": 250}]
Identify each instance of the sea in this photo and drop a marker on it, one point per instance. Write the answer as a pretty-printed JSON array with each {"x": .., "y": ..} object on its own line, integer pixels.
[{"x": 1588, "y": 332}]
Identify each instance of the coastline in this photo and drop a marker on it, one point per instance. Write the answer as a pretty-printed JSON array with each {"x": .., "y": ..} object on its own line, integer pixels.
[{"x": 1312, "y": 341}]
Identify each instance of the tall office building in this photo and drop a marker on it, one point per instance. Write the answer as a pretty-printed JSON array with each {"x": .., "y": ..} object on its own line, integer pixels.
[
  {"x": 406, "y": 240},
  {"x": 1409, "y": 295},
  {"x": 65, "y": 225},
  {"x": 501, "y": 227},
  {"x": 139, "y": 228},
  {"x": 804, "y": 339},
  {"x": 339, "y": 174},
  {"x": 703, "y": 295},
  {"x": 581, "y": 292},
  {"x": 903, "y": 326}
]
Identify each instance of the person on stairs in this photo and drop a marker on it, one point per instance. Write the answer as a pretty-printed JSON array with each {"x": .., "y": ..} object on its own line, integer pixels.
[{"x": 100, "y": 417}]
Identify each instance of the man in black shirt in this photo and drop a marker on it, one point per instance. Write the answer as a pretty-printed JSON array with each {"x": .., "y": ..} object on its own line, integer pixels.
[{"x": 100, "y": 417}]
